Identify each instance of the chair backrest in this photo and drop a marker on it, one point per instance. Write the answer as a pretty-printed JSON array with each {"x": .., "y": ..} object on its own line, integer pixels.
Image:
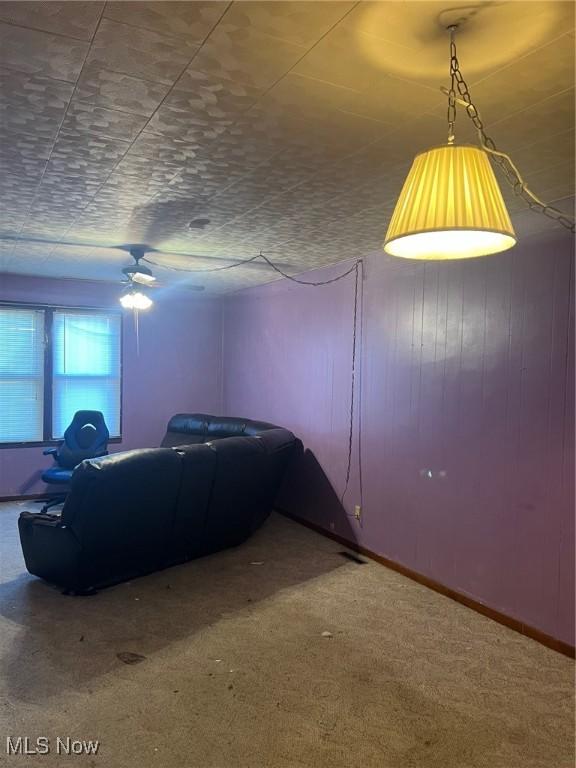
[{"x": 85, "y": 438}]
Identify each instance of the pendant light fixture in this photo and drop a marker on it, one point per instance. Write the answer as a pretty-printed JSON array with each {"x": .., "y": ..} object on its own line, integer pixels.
[{"x": 451, "y": 206}]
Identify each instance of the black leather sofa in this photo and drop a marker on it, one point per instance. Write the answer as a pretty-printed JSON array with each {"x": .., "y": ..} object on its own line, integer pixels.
[{"x": 209, "y": 487}]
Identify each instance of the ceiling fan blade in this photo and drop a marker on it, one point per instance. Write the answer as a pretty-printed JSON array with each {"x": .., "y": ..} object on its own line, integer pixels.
[
  {"x": 135, "y": 284},
  {"x": 123, "y": 247}
]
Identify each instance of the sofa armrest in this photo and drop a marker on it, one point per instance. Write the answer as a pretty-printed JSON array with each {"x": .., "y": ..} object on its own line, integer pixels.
[
  {"x": 50, "y": 451},
  {"x": 41, "y": 518},
  {"x": 51, "y": 551}
]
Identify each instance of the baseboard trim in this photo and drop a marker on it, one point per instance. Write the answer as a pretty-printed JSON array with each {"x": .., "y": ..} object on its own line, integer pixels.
[
  {"x": 25, "y": 497},
  {"x": 508, "y": 621}
]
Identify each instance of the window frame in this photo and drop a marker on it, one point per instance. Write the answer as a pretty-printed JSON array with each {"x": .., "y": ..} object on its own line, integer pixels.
[{"x": 49, "y": 310}]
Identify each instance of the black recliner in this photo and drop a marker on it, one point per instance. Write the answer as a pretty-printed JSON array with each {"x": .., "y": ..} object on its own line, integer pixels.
[
  {"x": 134, "y": 512},
  {"x": 86, "y": 437}
]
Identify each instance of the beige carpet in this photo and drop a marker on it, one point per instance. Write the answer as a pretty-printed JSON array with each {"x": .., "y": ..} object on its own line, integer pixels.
[{"x": 237, "y": 673}]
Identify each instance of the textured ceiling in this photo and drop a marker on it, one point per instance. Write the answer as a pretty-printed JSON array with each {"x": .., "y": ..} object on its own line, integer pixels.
[{"x": 289, "y": 125}]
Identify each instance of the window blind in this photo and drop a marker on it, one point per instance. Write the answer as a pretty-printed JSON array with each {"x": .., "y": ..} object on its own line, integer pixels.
[
  {"x": 21, "y": 375},
  {"x": 86, "y": 368}
]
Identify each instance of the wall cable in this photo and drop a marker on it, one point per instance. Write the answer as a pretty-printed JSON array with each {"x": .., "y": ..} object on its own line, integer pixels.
[
  {"x": 356, "y": 377},
  {"x": 210, "y": 269}
]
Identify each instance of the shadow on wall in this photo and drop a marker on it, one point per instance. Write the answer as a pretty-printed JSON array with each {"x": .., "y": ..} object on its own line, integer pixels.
[{"x": 308, "y": 493}]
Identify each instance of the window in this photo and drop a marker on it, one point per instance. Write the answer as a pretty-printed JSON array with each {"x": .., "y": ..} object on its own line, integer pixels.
[
  {"x": 21, "y": 375},
  {"x": 54, "y": 362},
  {"x": 85, "y": 368}
]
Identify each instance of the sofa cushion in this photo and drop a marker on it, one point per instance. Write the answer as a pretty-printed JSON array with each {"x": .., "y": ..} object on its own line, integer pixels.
[
  {"x": 175, "y": 439},
  {"x": 197, "y": 476},
  {"x": 225, "y": 426},
  {"x": 280, "y": 446},
  {"x": 121, "y": 510},
  {"x": 185, "y": 429},
  {"x": 257, "y": 427},
  {"x": 236, "y": 492},
  {"x": 193, "y": 428}
]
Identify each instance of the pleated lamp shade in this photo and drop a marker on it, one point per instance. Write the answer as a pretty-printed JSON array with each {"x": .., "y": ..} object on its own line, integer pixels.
[{"x": 450, "y": 207}]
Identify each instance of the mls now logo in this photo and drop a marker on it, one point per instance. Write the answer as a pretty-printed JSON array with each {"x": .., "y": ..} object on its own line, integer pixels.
[{"x": 24, "y": 745}]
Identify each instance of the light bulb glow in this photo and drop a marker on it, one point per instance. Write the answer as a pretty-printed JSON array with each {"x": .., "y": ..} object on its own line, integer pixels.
[
  {"x": 450, "y": 244},
  {"x": 450, "y": 207},
  {"x": 134, "y": 299}
]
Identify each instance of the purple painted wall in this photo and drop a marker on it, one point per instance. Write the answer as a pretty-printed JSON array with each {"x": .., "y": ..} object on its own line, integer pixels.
[
  {"x": 468, "y": 371},
  {"x": 178, "y": 367}
]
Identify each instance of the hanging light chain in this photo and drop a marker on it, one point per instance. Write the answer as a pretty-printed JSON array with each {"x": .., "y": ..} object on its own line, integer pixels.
[
  {"x": 511, "y": 172},
  {"x": 451, "y": 115}
]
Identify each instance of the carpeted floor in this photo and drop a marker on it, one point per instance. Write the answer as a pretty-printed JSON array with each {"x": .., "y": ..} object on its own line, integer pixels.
[{"x": 237, "y": 673}]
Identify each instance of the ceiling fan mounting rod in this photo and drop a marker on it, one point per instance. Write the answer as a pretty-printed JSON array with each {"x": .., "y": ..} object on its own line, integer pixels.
[{"x": 137, "y": 252}]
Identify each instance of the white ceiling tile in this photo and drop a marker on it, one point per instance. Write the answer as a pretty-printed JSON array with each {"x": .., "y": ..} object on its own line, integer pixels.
[
  {"x": 189, "y": 20},
  {"x": 77, "y": 19},
  {"x": 115, "y": 90},
  {"x": 243, "y": 54},
  {"x": 27, "y": 50},
  {"x": 107, "y": 123},
  {"x": 140, "y": 52}
]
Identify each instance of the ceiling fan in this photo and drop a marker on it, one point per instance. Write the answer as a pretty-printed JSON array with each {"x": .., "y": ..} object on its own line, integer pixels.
[
  {"x": 137, "y": 272},
  {"x": 138, "y": 276},
  {"x": 139, "y": 251}
]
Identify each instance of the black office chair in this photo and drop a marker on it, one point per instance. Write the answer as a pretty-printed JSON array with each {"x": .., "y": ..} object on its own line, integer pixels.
[{"x": 85, "y": 438}]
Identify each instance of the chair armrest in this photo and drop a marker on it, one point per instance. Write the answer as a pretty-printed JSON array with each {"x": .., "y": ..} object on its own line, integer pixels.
[{"x": 50, "y": 451}]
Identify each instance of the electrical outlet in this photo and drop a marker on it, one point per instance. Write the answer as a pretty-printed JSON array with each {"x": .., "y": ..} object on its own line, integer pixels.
[{"x": 357, "y": 511}]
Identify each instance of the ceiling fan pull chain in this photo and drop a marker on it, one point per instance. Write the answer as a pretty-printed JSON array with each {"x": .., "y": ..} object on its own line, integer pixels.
[{"x": 137, "y": 330}]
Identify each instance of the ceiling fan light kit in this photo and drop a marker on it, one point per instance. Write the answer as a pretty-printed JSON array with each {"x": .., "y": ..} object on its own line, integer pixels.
[{"x": 135, "y": 299}]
